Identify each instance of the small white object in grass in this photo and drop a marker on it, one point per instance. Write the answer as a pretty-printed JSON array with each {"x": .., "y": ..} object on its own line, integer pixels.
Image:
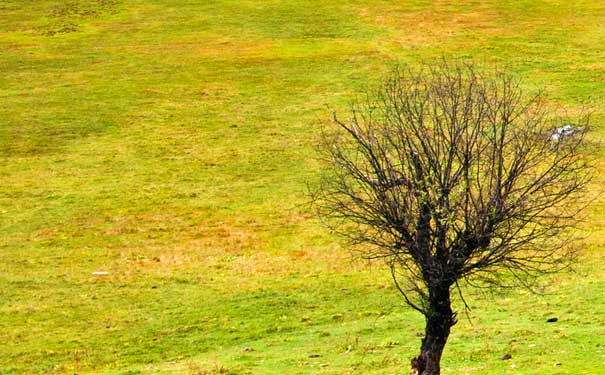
[
  {"x": 100, "y": 273},
  {"x": 563, "y": 131}
]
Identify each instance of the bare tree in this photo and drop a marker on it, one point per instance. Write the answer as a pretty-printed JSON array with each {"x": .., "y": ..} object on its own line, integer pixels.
[{"x": 452, "y": 174}]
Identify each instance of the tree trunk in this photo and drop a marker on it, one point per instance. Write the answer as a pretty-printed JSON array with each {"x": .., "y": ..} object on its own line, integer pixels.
[{"x": 439, "y": 320}]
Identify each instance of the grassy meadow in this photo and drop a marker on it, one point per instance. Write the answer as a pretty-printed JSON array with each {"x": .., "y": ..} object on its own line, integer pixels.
[{"x": 169, "y": 143}]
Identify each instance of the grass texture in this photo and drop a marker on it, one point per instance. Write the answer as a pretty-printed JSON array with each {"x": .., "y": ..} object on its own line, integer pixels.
[{"x": 169, "y": 143}]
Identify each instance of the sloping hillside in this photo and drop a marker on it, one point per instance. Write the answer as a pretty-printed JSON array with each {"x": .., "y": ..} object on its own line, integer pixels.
[{"x": 169, "y": 143}]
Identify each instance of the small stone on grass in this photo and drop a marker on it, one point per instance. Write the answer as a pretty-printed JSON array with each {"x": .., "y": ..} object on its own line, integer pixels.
[{"x": 506, "y": 357}]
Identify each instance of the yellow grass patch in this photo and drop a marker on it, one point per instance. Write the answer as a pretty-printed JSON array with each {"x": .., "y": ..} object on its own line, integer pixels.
[
  {"x": 227, "y": 253},
  {"x": 233, "y": 48},
  {"x": 418, "y": 28},
  {"x": 214, "y": 47}
]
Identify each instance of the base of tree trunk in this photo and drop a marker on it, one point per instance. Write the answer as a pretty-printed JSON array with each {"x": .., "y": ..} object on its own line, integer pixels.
[{"x": 418, "y": 364}]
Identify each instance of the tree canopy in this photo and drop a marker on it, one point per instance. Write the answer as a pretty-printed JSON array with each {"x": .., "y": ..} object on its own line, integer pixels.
[{"x": 450, "y": 172}]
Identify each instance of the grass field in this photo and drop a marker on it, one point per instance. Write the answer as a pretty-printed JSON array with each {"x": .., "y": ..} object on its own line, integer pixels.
[{"x": 169, "y": 143}]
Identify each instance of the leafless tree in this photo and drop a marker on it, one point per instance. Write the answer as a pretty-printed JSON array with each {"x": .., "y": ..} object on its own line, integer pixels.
[{"x": 450, "y": 174}]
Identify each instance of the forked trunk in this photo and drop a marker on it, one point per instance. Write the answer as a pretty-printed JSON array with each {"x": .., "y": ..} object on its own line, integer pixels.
[{"x": 438, "y": 324}]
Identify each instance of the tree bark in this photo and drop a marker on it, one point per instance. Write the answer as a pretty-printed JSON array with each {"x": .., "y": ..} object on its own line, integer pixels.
[{"x": 439, "y": 321}]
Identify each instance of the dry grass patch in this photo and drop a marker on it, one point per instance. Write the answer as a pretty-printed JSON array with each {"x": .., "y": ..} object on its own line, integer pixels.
[
  {"x": 422, "y": 27},
  {"x": 228, "y": 48},
  {"x": 218, "y": 47}
]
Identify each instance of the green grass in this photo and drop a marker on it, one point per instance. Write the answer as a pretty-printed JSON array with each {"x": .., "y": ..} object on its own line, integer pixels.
[{"x": 169, "y": 143}]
